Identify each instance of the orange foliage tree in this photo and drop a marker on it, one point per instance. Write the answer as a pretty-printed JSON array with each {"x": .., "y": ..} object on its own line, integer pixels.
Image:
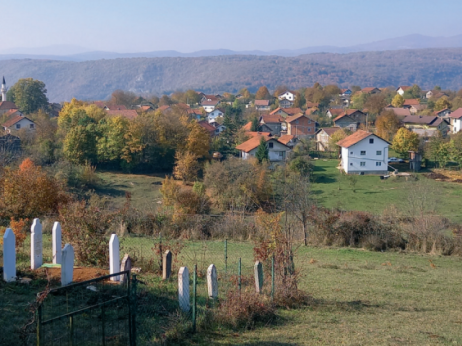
[
  {"x": 19, "y": 229},
  {"x": 29, "y": 192}
]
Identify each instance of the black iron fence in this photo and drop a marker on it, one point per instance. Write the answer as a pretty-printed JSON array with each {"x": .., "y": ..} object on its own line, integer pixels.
[{"x": 93, "y": 312}]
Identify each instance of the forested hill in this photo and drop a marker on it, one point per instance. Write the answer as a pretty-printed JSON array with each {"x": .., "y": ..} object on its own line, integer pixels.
[{"x": 97, "y": 79}]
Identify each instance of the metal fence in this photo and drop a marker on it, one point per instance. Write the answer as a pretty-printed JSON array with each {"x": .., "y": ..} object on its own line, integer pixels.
[{"x": 93, "y": 312}]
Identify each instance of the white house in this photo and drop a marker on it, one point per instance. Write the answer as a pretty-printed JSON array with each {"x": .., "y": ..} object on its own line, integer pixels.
[
  {"x": 402, "y": 89},
  {"x": 288, "y": 95},
  {"x": 209, "y": 106},
  {"x": 17, "y": 122},
  {"x": 456, "y": 120},
  {"x": 364, "y": 153},
  {"x": 277, "y": 151},
  {"x": 213, "y": 115},
  {"x": 218, "y": 127}
]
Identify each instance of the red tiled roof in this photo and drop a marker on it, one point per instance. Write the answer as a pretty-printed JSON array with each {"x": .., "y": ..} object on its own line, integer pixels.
[
  {"x": 295, "y": 117},
  {"x": 117, "y": 108},
  {"x": 354, "y": 138},
  {"x": 182, "y": 105},
  {"x": 12, "y": 111},
  {"x": 310, "y": 111},
  {"x": 347, "y": 113},
  {"x": 247, "y": 126},
  {"x": 421, "y": 119},
  {"x": 404, "y": 87},
  {"x": 254, "y": 133},
  {"x": 209, "y": 103},
  {"x": 14, "y": 119},
  {"x": 127, "y": 113},
  {"x": 411, "y": 102},
  {"x": 368, "y": 90},
  {"x": 330, "y": 130},
  {"x": 284, "y": 139},
  {"x": 336, "y": 111},
  {"x": 163, "y": 108},
  {"x": 441, "y": 111},
  {"x": 194, "y": 111},
  {"x": 251, "y": 144},
  {"x": 272, "y": 118},
  {"x": 457, "y": 114},
  {"x": 400, "y": 112},
  {"x": 145, "y": 108},
  {"x": 261, "y": 102},
  {"x": 207, "y": 126},
  {"x": 7, "y": 105}
]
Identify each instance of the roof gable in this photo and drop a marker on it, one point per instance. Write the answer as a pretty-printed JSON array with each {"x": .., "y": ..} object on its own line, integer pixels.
[{"x": 357, "y": 137}]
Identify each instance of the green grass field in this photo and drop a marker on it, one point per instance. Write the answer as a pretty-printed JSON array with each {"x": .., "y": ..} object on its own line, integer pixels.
[
  {"x": 358, "y": 297},
  {"x": 332, "y": 190}
]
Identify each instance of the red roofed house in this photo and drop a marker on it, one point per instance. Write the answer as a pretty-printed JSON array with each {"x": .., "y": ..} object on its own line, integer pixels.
[
  {"x": 370, "y": 90},
  {"x": 284, "y": 112},
  {"x": 127, "y": 113},
  {"x": 351, "y": 119},
  {"x": 334, "y": 112},
  {"x": 424, "y": 122},
  {"x": 17, "y": 122},
  {"x": 262, "y": 105},
  {"x": 411, "y": 102},
  {"x": 273, "y": 123},
  {"x": 364, "y": 153},
  {"x": 209, "y": 105},
  {"x": 455, "y": 119},
  {"x": 277, "y": 150},
  {"x": 209, "y": 128},
  {"x": 301, "y": 125},
  {"x": 323, "y": 136},
  {"x": 443, "y": 113},
  {"x": 6, "y": 106}
]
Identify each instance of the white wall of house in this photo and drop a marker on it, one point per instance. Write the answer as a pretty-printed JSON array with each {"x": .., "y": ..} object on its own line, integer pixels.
[
  {"x": 401, "y": 91},
  {"x": 287, "y": 95},
  {"x": 209, "y": 109},
  {"x": 214, "y": 114},
  {"x": 366, "y": 157},
  {"x": 22, "y": 124},
  {"x": 276, "y": 151},
  {"x": 456, "y": 125}
]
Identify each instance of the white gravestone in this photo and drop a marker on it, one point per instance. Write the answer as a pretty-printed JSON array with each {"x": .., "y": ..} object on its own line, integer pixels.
[
  {"x": 114, "y": 257},
  {"x": 56, "y": 243},
  {"x": 183, "y": 288},
  {"x": 212, "y": 281},
  {"x": 36, "y": 245},
  {"x": 258, "y": 272},
  {"x": 67, "y": 265},
  {"x": 9, "y": 255}
]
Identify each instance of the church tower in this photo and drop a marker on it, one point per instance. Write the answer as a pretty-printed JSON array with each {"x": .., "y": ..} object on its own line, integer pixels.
[{"x": 3, "y": 90}]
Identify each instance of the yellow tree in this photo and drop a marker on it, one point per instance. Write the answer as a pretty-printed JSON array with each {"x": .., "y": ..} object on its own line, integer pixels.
[
  {"x": 387, "y": 124},
  {"x": 337, "y": 136},
  {"x": 186, "y": 166},
  {"x": 262, "y": 93},
  {"x": 442, "y": 103},
  {"x": 198, "y": 142},
  {"x": 397, "y": 101},
  {"x": 405, "y": 141}
]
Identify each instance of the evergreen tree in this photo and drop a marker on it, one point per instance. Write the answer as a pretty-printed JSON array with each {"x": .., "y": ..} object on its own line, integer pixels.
[
  {"x": 255, "y": 124},
  {"x": 262, "y": 153}
]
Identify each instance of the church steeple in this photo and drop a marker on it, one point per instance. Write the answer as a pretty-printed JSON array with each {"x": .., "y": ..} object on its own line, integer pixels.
[{"x": 3, "y": 90}]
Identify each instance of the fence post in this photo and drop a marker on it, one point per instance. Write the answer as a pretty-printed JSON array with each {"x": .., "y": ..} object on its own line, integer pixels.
[
  {"x": 71, "y": 330},
  {"x": 133, "y": 312},
  {"x": 272, "y": 278},
  {"x": 103, "y": 322},
  {"x": 194, "y": 298},
  {"x": 226, "y": 256},
  {"x": 239, "y": 275},
  {"x": 39, "y": 325}
]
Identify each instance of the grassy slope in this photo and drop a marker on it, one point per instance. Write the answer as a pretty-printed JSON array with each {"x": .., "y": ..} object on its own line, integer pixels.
[
  {"x": 359, "y": 297},
  {"x": 375, "y": 195}
]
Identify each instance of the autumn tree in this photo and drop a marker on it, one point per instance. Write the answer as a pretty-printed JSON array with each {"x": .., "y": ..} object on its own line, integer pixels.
[
  {"x": 165, "y": 101},
  {"x": 442, "y": 103},
  {"x": 387, "y": 124},
  {"x": 336, "y": 137},
  {"x": 198, "y": 141},
  {"x": 121, "y": 97},
  {"x": 29, "y": 95},
  {"x": 28, "y": 192},
  {"x": 186, "y": 166},
  {"x": 262, "y": 93},
  {"x": 375, "y": 103},
  {"x": 405, "y": 141},
  {"x": 397, "y": 101},
  {"x": 245, "y": 93}
]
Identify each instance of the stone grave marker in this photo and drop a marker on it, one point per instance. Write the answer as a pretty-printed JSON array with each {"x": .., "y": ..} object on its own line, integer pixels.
[
  {"x": 183, "y": 289},
  {"x": 258, "y": 272},
  {"x": 67, "y": 265},
  {"x": 126, "y": 264},
  {"x": 36, "y": 245},
  {"x": 114, "y": 257},
  {"x": 212, "y": 282},
  {"x": 9, "y": 255},
  {"x": 56, "y": 243},
  {"x": 166, "y": 265}
]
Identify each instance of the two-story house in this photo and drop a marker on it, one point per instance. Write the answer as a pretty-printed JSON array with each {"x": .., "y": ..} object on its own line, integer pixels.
[
  {"x": 277, "y": 151},
  {"x": 364, "y": 153},
  {"x": 455, "y": 120},
  {"x": 402, "y": 89},
  {"x": 273, "y": 123},
  {"x": 262, "y": 105},
  {"x": 421, "y": 124},
  {"x": 300, "y": 125},
  {"x": 213, "y": 115},
  {"x": 351, "y": 119}
]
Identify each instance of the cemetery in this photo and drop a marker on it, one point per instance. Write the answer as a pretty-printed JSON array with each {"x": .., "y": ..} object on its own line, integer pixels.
[{"x": 128, "y": 302}]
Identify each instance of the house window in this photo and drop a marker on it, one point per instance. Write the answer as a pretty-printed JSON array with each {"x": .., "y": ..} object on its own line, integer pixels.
[
  {"x": 309, "y": 129},
  {"x": 362, "y": 164},
  {"x": 18, "y": 126},
  {"x": 351, "y": 164},
  {"x": 31, "y": 126},
  {"x": 296, "y": 122},
  {"x": 270, "y": 145},
  {"x": 379, "y": 152},
  {"x": 281, "y": 153},
  {"x": 371, "y": 140},
  {"x": 378, "y": 163},
  {"x": 363, "y": 152},
  {"x": 351, "y": 153}
]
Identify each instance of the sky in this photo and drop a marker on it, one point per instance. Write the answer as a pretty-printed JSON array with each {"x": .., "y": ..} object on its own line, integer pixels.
[{"x": 187, "y": 26}]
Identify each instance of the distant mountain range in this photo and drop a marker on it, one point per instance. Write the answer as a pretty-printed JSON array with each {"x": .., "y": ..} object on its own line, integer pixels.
[
  {"x": 77, "y": 53},
  {"x": 97, "y": 79}
]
